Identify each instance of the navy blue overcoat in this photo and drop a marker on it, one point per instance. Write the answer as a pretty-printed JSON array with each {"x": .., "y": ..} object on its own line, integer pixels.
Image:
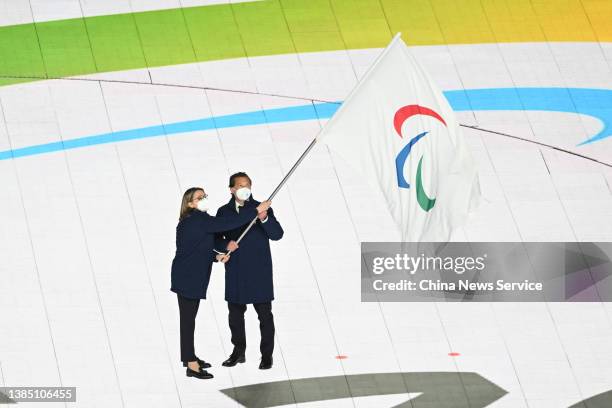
[
  {"x": 195, "y": 240},
  {"x": 248, "y": 273}
]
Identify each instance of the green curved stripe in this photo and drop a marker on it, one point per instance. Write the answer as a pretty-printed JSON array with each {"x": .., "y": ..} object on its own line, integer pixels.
[
  {"x": 425, "y": 202},
  {"x": 204, "y": 33}
]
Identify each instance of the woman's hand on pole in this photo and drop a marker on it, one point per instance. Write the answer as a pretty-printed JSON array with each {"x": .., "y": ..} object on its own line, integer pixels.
[{"x": 223, "y": 257}]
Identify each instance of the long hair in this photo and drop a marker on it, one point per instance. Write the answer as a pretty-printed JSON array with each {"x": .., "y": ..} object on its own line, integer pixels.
[{"x": 187, "y": 198}]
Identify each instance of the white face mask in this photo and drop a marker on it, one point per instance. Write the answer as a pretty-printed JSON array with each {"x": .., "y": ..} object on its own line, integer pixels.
[
  {"x": 203, "y": 204},
  {"x": 243, "y": 193}
]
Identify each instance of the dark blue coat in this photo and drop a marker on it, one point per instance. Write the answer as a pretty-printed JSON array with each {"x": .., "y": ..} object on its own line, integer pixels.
[
  {"x": 195, "y": 239},
  {"x": 248, "y": 273}
]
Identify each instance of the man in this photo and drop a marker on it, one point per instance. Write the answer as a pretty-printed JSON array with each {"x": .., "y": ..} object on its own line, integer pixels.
[{"x": 248, "y": 273}]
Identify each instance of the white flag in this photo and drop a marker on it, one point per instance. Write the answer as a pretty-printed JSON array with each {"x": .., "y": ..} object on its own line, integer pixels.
[{"x": 398, "y": 130}]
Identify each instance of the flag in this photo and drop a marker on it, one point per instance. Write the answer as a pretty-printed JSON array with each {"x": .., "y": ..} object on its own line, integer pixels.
[{"x": 399, "y": 132}]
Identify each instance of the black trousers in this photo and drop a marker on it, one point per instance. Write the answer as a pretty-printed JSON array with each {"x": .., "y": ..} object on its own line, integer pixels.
[
  {"x": 188, "y": 309},
  {"x": 266, "y": 327}
]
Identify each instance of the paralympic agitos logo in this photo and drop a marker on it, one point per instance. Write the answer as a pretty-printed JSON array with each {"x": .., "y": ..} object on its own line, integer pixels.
[{"x": 404, "y": 113}]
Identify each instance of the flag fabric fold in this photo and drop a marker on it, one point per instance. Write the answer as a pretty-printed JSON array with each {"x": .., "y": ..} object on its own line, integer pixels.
[{"x": 399, "y": 132}]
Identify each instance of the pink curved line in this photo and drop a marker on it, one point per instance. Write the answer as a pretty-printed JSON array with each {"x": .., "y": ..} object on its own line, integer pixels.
[{"x": 408, "y": 111}]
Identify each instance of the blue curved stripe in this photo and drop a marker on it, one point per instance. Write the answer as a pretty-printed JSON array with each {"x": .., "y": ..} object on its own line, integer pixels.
[
  {"x": 401, "y": 159},
  {"x": 592, "y": 102}
]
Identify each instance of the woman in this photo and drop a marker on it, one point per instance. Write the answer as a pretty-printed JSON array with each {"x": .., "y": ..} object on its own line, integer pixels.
[{"x": 191, "y": 266}]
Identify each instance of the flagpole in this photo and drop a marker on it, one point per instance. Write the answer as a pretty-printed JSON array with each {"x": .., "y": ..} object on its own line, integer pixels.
[
  {"x": 314, "y": 141},
  {"x": 280, "y": 185}
]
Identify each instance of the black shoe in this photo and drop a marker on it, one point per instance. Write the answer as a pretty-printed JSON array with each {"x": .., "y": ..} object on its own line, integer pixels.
[
  {"x": 233, "y": 359},
  {"x": 202, "y": 363},
  {"x": 202, "y": 374},
  {"x": 266, "y": 363}
]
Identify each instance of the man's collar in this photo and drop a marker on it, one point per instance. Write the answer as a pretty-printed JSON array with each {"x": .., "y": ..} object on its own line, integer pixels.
[{"x": 237, "y": 204}]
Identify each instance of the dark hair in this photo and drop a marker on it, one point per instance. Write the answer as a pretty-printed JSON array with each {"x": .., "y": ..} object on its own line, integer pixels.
[
  {"x": 234, "y": 176},
  {"x": 187, "y": 198}
]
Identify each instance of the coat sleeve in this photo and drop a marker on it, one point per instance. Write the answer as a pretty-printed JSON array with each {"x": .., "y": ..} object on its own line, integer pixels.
[
  {"x": 272, "y": 227},
  {"x": 219, "y": 224},
  {"x": 221, "y": 240}
]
